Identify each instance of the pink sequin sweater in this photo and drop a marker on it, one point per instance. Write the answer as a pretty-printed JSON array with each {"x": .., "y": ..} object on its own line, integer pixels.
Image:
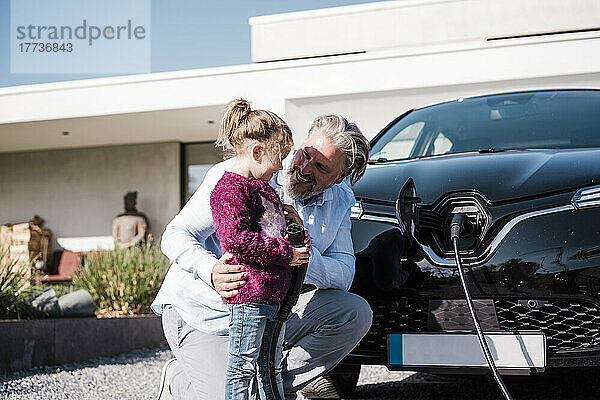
[{"x": 249, "y": 222}]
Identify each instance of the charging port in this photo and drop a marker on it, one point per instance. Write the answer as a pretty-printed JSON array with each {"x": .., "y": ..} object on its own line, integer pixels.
[{"x": 432, "y": 222}]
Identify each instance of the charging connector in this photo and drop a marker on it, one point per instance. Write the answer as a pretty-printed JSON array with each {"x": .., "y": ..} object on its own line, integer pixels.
[{"x": 456, "y": 226}]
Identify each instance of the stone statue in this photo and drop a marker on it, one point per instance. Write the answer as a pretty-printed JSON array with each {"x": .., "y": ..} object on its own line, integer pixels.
[{"x": 131, "y": 227}]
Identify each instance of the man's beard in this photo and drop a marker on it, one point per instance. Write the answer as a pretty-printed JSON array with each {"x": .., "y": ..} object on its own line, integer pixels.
[{"x": 291, "y": 188}]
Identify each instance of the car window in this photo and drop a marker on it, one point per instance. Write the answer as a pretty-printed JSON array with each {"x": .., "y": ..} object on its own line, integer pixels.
[
  {"x": 557, "y": 119},
  {"x": 401, "y": 144}
]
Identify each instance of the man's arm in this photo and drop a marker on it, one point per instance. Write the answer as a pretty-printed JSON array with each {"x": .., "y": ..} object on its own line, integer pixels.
[
  {"x": 184, "y": 237},
  {"x": 334, "y": 267}
]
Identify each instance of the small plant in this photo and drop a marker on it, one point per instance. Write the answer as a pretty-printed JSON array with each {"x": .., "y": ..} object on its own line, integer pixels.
[
  {"x": 14, "y": 288},
  {"x": 123, "y": 281}
]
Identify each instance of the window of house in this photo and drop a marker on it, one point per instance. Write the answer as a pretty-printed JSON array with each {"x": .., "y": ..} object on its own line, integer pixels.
[{"x": 198, "y": 158}]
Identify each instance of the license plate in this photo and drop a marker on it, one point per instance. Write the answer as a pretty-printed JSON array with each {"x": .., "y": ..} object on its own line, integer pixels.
[{"x": 510, "y": 351}]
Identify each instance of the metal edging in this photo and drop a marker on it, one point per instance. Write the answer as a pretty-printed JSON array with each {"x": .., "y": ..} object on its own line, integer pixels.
[{"x": 489, "y": 251}]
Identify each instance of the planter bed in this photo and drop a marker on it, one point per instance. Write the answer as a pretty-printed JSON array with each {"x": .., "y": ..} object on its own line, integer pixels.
[{"x": 31, "y": 343}]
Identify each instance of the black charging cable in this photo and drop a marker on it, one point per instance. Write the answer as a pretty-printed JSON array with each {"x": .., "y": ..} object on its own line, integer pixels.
[
  {"x": 295, "y": 234},
  {"x": 456, "y": 227}
]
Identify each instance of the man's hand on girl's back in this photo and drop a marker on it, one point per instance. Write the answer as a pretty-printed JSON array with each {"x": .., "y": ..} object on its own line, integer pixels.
[{"x": 228, "y": 278}]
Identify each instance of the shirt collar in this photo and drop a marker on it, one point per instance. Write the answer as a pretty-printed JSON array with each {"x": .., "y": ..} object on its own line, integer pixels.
[{"x": 327, "y": 195}]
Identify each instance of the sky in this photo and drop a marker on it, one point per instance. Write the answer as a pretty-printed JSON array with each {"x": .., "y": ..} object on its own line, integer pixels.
[{"x": 185, "y": 34}]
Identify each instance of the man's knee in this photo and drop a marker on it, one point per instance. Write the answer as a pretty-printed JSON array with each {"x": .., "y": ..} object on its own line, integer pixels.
[
  {"x": 334, "y": 310},
  {"x": 351, "y": 311},
  {"x": 360, "y": 313}
]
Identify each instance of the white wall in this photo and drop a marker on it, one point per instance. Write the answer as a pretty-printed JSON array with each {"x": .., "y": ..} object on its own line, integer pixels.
[
  {"x": 78, "y": 192},
  {"x": 412, "y": 24}
]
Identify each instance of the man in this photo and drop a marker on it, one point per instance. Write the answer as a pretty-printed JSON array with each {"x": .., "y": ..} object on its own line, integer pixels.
[{"x": 325, "y": 325}]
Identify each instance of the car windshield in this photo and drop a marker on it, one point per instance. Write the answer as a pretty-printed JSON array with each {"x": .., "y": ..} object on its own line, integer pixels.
[{"x": 558, "y": 119}]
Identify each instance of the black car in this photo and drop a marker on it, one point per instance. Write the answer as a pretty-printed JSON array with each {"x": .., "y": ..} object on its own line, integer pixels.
[{"x": 524, "y": 168}]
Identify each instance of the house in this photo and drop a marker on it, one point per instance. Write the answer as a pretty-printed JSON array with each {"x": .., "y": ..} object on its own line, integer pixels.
[{"x": 70, "y": 150}]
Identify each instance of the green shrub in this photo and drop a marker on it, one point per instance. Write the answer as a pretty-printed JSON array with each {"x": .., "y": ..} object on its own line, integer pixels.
[
  {"x": 14, "y": 288},
  {"x": 123, "y": 281}
]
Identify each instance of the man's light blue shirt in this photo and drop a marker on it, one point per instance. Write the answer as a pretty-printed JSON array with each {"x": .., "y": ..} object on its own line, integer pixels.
[{"x": 190, "y": 243}]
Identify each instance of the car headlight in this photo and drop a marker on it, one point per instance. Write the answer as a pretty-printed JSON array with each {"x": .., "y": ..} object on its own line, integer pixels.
[
  {"x": 587, "y": 197},
  {"x": 356, "y": 211}
]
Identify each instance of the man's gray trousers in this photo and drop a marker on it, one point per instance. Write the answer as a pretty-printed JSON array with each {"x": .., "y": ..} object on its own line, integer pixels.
[{"x": 324, "y": 327}]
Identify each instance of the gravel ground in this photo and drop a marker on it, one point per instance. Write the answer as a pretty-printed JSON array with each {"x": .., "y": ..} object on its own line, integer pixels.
[
  {"x": 136, "y": 376},
  {"x": 129, "y": 376}
]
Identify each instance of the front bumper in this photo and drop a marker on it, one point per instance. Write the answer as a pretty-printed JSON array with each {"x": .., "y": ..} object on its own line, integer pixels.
[
  {"x": 540, "y": 276},
  {"x": 570, "y": 326}
]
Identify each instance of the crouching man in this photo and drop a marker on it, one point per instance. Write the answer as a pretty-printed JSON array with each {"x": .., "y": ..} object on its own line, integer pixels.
[{"x": 326, "y": 323}]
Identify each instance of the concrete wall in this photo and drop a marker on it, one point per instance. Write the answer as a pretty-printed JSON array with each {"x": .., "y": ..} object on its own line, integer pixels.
[
  {"x": 373, "y": 111},
  {"x": 60, "y": 341},
  {"x": 79, "y": 191}
]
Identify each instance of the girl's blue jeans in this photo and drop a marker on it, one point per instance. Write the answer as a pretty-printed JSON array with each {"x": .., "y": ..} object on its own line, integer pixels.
[{"x": 249, "y": 324}]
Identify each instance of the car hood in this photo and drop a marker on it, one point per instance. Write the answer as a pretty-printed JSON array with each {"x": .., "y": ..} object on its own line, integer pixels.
[{"x": 499, "y": 177}]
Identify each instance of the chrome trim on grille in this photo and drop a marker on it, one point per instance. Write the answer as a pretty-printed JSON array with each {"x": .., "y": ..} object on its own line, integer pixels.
[
  {"x": 586, "y": 197},
  {"x": 435, "y": 259},
  {"x": 487, "y": 254}
]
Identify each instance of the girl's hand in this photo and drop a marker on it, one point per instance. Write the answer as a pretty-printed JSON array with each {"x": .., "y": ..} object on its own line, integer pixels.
[{"x": 300, "y": 256}]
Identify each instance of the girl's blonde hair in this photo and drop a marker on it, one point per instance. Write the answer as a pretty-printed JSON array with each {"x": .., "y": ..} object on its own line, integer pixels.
[{"x": 240, "y": 123}]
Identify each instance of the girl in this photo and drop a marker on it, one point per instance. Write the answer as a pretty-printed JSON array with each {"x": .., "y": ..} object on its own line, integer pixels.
[{"x": 249, "y": 223}]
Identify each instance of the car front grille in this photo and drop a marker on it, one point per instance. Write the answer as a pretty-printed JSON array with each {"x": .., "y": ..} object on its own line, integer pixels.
[
  {"x": 406, "y": 315},
  {"x": 568, "y": 324}
]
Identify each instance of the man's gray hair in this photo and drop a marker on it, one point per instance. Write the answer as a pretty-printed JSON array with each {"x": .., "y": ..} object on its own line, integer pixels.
[{"x": 347, "y": 137}]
